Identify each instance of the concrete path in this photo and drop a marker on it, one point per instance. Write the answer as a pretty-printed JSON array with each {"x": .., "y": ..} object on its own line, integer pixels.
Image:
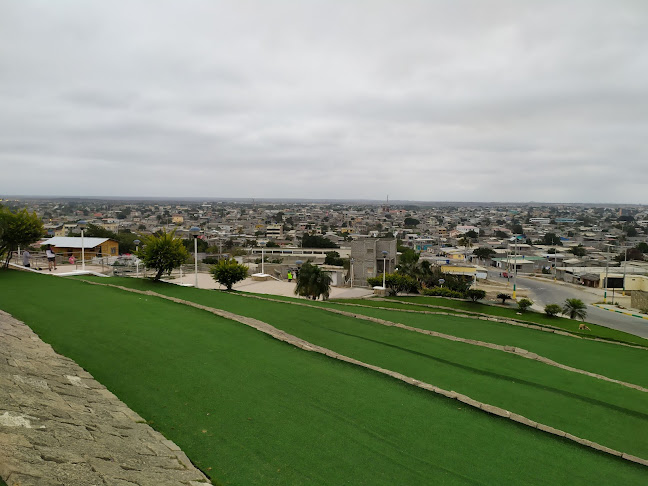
[
  {"x": 58, "y": 426},
  {"x": 274, "y": 287}
]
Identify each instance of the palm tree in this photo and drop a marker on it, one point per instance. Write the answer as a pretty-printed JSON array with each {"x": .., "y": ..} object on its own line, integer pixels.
[
  {"x": 313, "y": 282},
  {"x": 575, "y": 308},
  {"x": 466, "y": 242}
]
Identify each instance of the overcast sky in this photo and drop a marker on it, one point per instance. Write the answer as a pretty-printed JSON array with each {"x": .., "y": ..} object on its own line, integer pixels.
[{"x": 419, "y": 100}]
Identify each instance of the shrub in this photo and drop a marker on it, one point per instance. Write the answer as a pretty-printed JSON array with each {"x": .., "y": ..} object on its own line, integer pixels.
[
  {"x": 552, "y": 310},
  {"x": 396, "y": 283},
  {"x": 228, "y": 272},
  {"x": 503, "y": 297},
  {"x": 476, "y": 294},
  {"x": 442, "y": 292},
  {"x": 524, "y": 304}
]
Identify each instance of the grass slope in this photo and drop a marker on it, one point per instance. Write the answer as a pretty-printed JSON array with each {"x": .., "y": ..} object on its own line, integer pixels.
[
  {"x": 555, "y": 397},
  {"x": 619, "y": 362},
  {"x": 250, "y": 410},
  {"x": 530, "y": 316}
]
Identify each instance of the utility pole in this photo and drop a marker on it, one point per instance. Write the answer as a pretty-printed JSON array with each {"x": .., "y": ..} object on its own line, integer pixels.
[
  {"x": 607, "y": 264},
  {"x": 625, "y": 263}
]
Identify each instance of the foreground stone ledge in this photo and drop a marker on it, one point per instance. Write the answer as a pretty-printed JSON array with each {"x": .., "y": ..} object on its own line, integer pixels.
[{"x": 59, "y": 426}]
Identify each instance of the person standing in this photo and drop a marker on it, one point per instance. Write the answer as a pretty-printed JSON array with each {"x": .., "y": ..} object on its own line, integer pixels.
[
  {"x": 290, "y": 276},
  {"x": 51, "y": 258},
  {"x": 26, "y": 256}
]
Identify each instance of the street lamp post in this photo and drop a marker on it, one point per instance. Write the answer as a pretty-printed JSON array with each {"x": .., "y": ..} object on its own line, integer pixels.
[
  {"x": 137, "y": 243},
  {"x": 515, "y": 268},
  {"x": 263, "y": 258},
  {"x": 352, "y": 260},
  {"x": 195, "y": 232},
  {"x": 82, "y": 225},
  {"x": 384, "y": 253}
]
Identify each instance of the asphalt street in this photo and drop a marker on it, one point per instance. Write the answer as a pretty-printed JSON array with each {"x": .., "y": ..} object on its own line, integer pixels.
[{"x": 545, "y": 291}]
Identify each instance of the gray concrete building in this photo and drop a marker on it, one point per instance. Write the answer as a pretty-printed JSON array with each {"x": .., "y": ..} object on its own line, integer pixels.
[{"x": 368, "y": 259}]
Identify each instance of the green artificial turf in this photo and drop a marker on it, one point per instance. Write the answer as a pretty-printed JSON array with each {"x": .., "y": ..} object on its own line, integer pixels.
[
  {"x": 549, "y": 395},
  {"x": 618, "y": 362},
  {"x": 529, "y": 316},
  {"x": 251, "y": 410}
]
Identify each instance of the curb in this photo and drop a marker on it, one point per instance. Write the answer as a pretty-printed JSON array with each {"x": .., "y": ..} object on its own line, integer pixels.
[{"x": 621, "y": 312}]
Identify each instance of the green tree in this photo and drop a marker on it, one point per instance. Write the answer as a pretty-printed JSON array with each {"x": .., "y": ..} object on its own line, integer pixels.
[
  {"x": 333, "y": 258},
  {"x": 632, "y": 254},
  {"x": 411, "y": 222},
  {"x": 472, "y": 234},
  {"x": 17, "y": 229},
  {"x": 228, "y": 272},
  {"x": 313, "y": 282},
  {"x": 503, "y": 297},
  {"x": 484, "y": 253},
  {"x": 125, "y": 238},
  {"x": 524, "y": 304},
  {"x": 163, "y": 252},
  {"x": 551, "y": 239},
  {"x": 476, "y": 294},
  {"x": 578, "y": 251},
  {"x": 317, "y": 241},
  {"x": 407, "y": 261},
  {"x": 575, "y": 308},
  {"x": 552, "y": 310},
  {"x": 189, "y": 245}
]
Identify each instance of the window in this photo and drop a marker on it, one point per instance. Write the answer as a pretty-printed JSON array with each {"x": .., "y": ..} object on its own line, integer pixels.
[{"x": 113, "y": 250}]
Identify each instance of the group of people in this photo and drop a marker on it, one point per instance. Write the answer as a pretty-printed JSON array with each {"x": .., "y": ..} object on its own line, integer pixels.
[{"x": 49, "y": 254}]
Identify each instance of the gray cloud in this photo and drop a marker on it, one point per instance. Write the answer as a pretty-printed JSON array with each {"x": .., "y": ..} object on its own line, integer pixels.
[{"x": 463, "y": 100}]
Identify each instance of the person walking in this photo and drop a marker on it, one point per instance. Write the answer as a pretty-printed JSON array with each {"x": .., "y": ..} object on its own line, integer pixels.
[
  {"x": 26, "y": 256},
  {"x": 51, "y": 258}
]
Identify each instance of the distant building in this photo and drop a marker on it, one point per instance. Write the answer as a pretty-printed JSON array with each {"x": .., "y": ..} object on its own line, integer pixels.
[
  {"x": 274, "y": 231},
  {"x": 463, "y": 229},
  {"x": 540, "y": 220}
]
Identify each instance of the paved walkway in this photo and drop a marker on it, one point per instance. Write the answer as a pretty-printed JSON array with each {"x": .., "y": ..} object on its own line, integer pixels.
[{"x": 58, "y": 426}]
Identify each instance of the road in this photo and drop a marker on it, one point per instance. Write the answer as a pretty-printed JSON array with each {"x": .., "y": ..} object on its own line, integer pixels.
[{"x": 545, "y": 291}]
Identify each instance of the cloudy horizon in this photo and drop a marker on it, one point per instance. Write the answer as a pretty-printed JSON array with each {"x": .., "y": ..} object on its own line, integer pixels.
[{"x": 419, "y": 100}]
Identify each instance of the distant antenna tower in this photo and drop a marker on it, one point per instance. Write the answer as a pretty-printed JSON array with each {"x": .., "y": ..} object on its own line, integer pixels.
[{"x": 386, "y": 206}]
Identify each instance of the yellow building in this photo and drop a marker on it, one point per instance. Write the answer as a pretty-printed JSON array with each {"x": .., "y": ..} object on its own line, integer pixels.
[{"x": 67, "y": 246}]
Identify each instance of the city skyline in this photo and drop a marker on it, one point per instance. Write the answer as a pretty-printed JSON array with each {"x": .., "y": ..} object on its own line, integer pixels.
[{"x": 509, "y": 102}]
